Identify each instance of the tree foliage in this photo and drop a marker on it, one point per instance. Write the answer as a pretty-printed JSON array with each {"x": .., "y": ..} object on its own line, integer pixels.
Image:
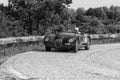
[{"x": 38, "y": 17}]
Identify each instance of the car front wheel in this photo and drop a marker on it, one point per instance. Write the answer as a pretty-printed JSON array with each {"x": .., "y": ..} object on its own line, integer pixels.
[
  {"x": 87, "y": 47},
  {"x": 48, "y": 48},
  {"x": 75, "y": 49}
]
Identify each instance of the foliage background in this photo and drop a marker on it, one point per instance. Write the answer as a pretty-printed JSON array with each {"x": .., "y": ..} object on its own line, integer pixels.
[{"x": 39, "y": 17}]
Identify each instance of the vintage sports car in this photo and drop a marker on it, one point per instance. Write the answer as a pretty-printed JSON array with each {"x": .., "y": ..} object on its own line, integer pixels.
[{"x": 67, "y": 41}]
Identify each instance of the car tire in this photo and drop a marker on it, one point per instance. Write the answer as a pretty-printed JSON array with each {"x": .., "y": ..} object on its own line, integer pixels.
[
  {"x": 76, "y": 47},
  {"x": 48, "y": 48},
  {"x": 87, "y": 47}
]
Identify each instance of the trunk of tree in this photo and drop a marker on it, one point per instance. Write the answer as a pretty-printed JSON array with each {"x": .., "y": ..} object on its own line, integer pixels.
[{"x": 29, "y": 24}]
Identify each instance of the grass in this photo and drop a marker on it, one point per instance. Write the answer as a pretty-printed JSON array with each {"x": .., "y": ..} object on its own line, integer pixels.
[
  {"x": 105, "y": 41},
  {"x": 13, "y": 49}
]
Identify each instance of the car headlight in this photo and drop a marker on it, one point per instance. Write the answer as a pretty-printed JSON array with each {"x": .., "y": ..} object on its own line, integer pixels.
[
  {"x": 71, "y": 40},
  {"x": 46, "y": 39}
]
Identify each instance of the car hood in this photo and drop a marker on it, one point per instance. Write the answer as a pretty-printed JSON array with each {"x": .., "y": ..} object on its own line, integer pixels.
[
  {"x": 64, "y": 35},
  {"x": 69, "y": 35}
]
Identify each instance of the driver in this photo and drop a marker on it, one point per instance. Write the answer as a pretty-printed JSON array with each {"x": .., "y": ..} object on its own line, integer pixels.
[
  {"x": 76, "y": 31},
  {"x": 57, "y": 31}
]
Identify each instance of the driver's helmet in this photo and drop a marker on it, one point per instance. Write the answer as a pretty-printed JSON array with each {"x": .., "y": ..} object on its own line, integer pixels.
[{"x": 76, "y": 30}]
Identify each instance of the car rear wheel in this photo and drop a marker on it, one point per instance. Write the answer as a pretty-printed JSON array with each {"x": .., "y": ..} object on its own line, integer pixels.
[
  {"x": 87, "y": 47},
  {"x": 48, "y": 48},
  {"x": 75, "y": 49}
]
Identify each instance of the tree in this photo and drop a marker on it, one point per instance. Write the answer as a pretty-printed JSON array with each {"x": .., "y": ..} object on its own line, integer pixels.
[
  {"x": 97, "y": 12},
  {"x": 36, "y": 13},
  {"x": 95, "y": 26},
  {"x": 80, "y": 11},
  {"x": 114, "y": 12},
  {"x": 90, "y": 12}
]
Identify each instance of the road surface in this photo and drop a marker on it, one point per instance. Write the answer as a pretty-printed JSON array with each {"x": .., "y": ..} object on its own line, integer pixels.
[{"x": 101, "y": 62}]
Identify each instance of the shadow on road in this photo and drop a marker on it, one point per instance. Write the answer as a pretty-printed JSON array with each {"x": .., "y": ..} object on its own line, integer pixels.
[{"x": 57, "y": 50}]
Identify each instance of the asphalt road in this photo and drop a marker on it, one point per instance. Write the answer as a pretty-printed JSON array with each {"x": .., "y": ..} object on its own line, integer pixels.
[{"x": 101, "y": 62}]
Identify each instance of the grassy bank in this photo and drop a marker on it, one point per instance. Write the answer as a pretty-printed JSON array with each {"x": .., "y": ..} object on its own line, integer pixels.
[
  {"x": 105, "y": 41},
  {"x": 13, "y": 49}
]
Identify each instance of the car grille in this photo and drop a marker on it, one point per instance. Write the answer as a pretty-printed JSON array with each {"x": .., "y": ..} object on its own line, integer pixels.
[{"x": 58, "y": 43}]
